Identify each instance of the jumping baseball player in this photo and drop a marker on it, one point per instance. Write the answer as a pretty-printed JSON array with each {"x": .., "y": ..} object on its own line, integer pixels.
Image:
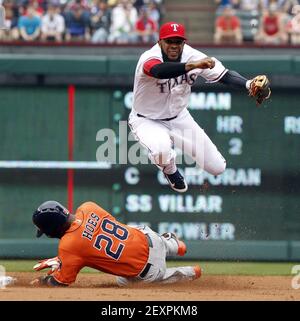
[
  {"x": 94, "y": 238},
  {"x": 159, "y": 118}
]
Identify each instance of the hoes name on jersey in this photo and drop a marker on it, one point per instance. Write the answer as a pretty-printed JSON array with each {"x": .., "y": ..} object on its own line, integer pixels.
[{"x": 90, "y": 226}]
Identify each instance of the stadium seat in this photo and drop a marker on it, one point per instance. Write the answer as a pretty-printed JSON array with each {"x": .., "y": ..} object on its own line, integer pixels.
[{"x": 249, "y": 22}]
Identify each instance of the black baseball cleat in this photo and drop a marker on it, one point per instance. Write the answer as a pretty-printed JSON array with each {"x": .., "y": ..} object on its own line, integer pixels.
[{"x": 177, "y": 182}]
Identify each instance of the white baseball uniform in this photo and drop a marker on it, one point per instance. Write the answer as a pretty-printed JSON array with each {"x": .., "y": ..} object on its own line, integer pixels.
[
  {"x": 160, "y": 99},
  {"x": 158, "y": 272}
]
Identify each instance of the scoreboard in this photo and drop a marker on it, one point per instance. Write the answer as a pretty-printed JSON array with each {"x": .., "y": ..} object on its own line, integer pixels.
[
  {"x": 251, "y": 211},
  {"x": 256, "y": 198},
  {"x": 255, "y": 201}
]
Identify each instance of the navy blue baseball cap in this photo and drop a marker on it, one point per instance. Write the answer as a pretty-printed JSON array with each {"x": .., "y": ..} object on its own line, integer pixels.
[{"x": 50, "y": 218}]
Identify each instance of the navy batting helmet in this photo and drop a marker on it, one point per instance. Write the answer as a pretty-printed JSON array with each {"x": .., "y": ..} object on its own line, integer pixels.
[{"x": 51, "y": 218}]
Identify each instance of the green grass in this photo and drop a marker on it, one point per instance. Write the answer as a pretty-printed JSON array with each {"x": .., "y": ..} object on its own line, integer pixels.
[
  {"x": 243, "y": 268},
  {"x": 27, "y": 266},
  {"x": 219, "y": 268}
]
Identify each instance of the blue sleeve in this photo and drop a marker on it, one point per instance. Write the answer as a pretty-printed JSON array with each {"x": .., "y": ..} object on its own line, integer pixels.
[
  {"x": 234, "y": 79},
  {"x": 37, "y": 22},
  {"x": 21, "y": 22}
]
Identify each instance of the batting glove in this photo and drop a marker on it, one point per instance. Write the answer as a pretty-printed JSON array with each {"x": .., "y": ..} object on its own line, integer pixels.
[{"x": 53, "y": 263}]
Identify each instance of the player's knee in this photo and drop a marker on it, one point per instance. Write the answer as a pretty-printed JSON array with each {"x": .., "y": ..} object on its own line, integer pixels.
[
  {"x": 219, "y": 168},
  {"x": 162, "y": 153},
  {"x": 162, "y": 158}
]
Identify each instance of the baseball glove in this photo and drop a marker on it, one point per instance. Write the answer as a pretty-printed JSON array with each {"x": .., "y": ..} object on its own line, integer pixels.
[{"x": 260, "y": 88}]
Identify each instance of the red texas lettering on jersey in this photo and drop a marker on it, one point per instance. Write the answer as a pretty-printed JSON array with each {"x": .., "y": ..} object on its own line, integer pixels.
[{"x": 166, "y": 85}]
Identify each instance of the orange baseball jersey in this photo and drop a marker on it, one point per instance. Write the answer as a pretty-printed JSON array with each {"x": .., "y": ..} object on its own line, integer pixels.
[{"x": 97, "y": 240}]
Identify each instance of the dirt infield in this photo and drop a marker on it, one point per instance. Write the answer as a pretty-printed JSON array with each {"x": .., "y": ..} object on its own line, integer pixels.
[{"x": 102, "y": 287}]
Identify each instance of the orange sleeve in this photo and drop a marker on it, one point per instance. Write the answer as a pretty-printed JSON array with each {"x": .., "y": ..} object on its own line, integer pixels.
[{"x": 70, "y": 266}]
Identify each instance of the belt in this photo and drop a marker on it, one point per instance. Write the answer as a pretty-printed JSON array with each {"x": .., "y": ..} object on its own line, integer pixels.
[
  {"x": 148, "y": 265},
  {"x": 164, "y": 119}
]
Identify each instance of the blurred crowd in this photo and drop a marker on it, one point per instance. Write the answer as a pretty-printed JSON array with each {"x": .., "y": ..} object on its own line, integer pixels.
[
  {"x": 96, "y": 21},
  {"x": 275, "y": 22},
  {"x": 138, "y": 21}
]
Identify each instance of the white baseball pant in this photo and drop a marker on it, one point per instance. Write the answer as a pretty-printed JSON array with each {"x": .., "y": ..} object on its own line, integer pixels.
[
  {"x": 183, "y": 132},
  {"x": 158, "y": 272}
]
